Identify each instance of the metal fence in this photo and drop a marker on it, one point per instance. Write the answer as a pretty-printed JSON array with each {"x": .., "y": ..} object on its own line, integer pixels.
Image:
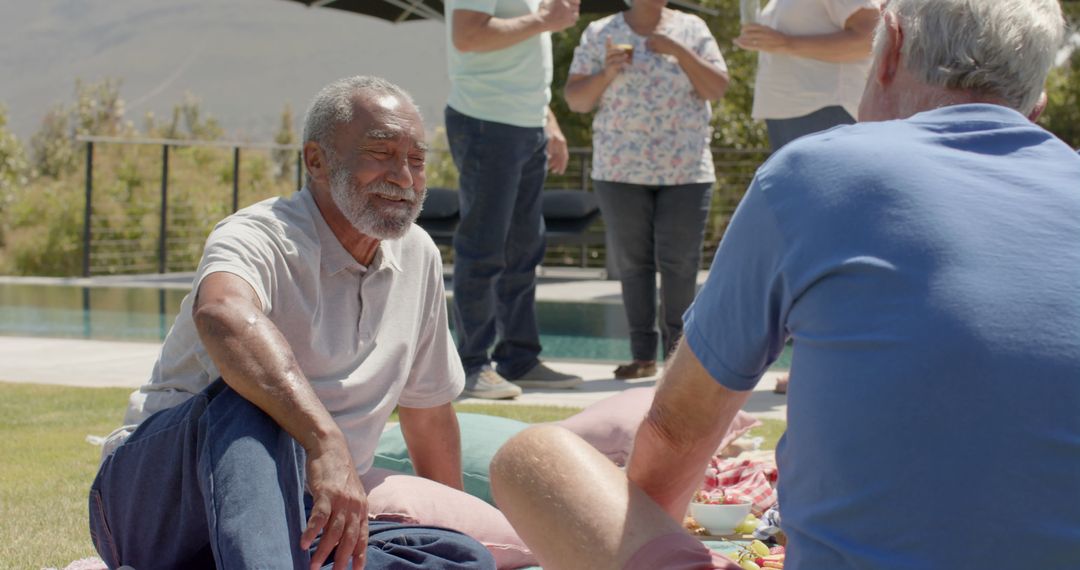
[{"x": 150, "y": 203}]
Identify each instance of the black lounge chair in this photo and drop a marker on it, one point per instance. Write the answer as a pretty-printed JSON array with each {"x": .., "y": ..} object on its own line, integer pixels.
[{"x": 568, "y": 215}]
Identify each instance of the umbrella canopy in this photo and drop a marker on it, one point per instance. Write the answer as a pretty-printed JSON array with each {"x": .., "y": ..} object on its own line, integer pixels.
[{"x": 405, "y": 10}]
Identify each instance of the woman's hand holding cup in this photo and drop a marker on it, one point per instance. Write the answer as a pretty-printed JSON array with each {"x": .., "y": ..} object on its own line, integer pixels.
[{"x": 617, "y": 57}]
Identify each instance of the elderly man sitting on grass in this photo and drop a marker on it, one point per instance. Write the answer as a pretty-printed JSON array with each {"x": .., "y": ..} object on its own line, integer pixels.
[
  {"x": 310, "y": 319},
  {"x": 925, "y": 264}
]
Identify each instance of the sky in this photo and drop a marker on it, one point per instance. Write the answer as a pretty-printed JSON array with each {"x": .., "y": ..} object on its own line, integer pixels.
[{"x": 244, "y": 59}]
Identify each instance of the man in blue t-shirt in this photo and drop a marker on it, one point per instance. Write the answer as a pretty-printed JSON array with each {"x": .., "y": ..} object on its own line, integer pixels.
[{"x": 925, "y": 264}]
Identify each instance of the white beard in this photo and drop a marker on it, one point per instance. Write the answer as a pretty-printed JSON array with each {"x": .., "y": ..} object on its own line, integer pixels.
[{"x": 366, "y": 212}]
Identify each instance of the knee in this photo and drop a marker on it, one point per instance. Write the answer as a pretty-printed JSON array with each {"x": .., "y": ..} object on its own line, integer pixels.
[{"x": 525, "y": 457}]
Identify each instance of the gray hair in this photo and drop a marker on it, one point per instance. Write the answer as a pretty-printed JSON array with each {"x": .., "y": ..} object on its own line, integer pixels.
[
  {"x": 333, "y": 106},
  {"x": 998, "y": 48}
]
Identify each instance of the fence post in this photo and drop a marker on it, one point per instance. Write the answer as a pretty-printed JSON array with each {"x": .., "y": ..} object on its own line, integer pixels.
[
  {"x": 235, "y": 179},
  {"x": 164, "y": 208},
  {"x": 87, "y": 210}
]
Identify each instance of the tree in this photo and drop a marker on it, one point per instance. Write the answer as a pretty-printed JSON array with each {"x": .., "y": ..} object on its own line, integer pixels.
[
  {"x": 14, "y": 169},
  {"x": 284, "y": 159},
  {"x": 1062, "y": 115},
  {"x": 188, "y": 122},
  {"x": 98, "y": 110}
]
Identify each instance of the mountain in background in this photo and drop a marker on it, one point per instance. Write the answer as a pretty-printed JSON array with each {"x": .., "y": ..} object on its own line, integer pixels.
[{"x": 244, "y": 59}]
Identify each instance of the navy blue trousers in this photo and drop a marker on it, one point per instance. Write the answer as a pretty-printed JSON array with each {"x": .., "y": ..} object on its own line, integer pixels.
[{"x": 216, "y": 483}]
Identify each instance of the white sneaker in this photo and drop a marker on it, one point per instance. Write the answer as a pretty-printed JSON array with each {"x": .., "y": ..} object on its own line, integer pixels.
[{"x": 489, "y": 385}]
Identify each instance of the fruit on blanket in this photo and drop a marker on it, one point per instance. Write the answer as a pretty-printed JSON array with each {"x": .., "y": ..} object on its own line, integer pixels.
[
  {"x": 759, "y": 548},
  {"x": 747, "y": 525},
  {"x": 757, "y": 555},
  {"x": 775, "y": 561}
]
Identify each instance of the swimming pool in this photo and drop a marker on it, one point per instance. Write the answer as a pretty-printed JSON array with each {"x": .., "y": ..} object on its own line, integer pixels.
[{"x": 569, "y": 330}]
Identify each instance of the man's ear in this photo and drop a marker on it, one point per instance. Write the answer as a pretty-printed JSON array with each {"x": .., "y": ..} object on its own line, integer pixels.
[
  {"x": 893, "y": 40},
  {"x": 1039, "y": 107},
  {"x": 315, "y": 162}
]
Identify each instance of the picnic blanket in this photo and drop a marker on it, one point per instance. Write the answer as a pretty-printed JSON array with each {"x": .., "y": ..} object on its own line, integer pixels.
[{"x": 750, "y": 480}]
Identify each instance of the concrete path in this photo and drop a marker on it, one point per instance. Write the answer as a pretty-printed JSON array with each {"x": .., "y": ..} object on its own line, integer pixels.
[
  {"x": 99, "y": 364},
  {"x": 94, "y": 363}
]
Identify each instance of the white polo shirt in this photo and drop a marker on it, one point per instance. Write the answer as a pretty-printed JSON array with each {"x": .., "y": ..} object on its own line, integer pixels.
[
  {"x": 367, "y": 338},
  {"x": 787, "y": 87}
]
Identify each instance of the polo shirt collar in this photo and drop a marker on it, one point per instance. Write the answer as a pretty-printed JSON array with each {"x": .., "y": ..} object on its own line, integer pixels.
[
  {"x": 974, "y": 115},
  {"x": 333, "y": 256}
]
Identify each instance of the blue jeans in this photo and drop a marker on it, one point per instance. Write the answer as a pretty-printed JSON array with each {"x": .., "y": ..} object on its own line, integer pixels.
[
  {"x": 216, "y": 483},
  {"x": 655, "y": 228},
  {"x": 783, "y": 131},
  {"x": 499, "y": 242}
]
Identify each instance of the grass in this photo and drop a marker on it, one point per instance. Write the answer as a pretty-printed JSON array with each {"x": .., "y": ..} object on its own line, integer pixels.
[
  {"x": 47, "y": 465},
  {"x": 47, "y": 469}
]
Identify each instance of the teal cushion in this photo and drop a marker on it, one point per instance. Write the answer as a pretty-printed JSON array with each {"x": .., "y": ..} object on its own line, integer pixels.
[{"x": 481, "y": 437}]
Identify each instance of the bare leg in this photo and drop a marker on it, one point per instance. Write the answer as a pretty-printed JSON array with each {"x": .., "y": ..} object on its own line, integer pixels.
[{"x": 570, "y": 504}]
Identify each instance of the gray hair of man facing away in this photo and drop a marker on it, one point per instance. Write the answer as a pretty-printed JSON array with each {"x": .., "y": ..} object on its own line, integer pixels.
[
  {"x": 333, "y": 106},
  {"x": 1000, "y": 49}
]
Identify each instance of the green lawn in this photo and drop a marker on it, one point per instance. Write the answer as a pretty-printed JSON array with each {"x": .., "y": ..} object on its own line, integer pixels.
[{"x": 47, "y": 465}]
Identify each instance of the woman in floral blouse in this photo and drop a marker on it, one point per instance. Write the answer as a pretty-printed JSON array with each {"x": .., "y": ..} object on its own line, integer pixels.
[{"x": 650, "y": 73}]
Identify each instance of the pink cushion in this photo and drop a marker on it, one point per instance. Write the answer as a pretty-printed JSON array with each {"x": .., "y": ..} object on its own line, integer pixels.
[
  {"x": 611, "y": 424},
  {"x": 410, "y": 499}
]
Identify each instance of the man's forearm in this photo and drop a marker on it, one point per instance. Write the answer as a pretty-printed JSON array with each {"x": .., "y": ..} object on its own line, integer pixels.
[
  {"x": 688, "y": 419},
  {"x": 477, "y": 32},
  {"x": 434, "y": 441},
  {"x": 840, "y": 47},
  {"x": 853, "y": 43},
  {"x": 256, "y": 361}
]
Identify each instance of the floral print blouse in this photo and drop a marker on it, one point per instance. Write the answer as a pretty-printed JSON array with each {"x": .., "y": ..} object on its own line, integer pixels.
[{"x": 650, "y": 128}]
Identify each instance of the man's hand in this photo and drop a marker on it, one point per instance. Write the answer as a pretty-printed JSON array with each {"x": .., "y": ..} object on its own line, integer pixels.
[
  {"x": 339, "y": 509},
  {"x": 558, "y": 15},
  {"x": 755, "y": 37},
  {"x": 558, "y": 153}
]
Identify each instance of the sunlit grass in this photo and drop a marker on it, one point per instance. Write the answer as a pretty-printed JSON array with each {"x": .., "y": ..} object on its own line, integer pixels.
[{"x": 46, "y": 464}]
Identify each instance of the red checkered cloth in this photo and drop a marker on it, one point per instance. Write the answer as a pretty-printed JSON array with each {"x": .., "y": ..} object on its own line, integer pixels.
[{"x": 745, "y": 479}]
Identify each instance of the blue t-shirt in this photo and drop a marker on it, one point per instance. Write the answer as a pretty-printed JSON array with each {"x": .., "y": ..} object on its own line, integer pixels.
[{"x": 928, "y": 273}]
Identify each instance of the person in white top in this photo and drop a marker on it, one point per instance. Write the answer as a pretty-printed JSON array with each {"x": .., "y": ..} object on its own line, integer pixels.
[
  {"x": 813, "y": 59},
  {"x": 814, "y": 56},
  {"x": 310, "y": 318}
]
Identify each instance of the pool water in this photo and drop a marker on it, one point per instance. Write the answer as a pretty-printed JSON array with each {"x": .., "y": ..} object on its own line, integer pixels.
[{"x": 569, "y": 330}]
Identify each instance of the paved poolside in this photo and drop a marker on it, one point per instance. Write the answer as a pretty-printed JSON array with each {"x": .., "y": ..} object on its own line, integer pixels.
[{"x": 98, "y": 363}]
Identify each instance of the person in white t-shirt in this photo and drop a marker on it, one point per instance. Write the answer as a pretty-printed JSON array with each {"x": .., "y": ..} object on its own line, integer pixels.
[
  {"x": 310, "y": 318},
  {"x": 813, "y": 59}
]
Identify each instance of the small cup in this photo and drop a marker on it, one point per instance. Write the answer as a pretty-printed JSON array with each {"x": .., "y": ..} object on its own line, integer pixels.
[
  {"x": 749, "y": 11},
  {"x": 628, "y": 48}
]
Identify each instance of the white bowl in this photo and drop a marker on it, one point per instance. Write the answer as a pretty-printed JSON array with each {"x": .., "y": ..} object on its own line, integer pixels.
[{"x": 719, "y": 519}]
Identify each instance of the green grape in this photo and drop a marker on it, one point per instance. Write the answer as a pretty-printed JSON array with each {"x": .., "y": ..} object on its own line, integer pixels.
[
  {"x": 747, "y": 525},
  {"x": 749, "y": 565},
  {"x": 759, "y": 548}
]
